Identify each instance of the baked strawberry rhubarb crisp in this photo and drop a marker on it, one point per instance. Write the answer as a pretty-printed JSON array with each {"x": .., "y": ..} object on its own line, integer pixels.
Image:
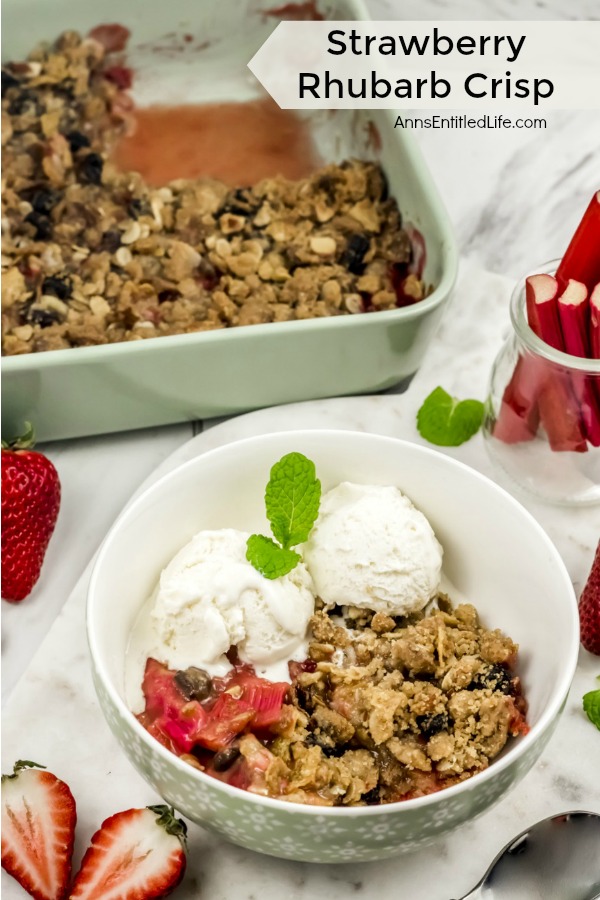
[
  {"x": 382, "y": 709},
  {"x": 338, "y": 675},
  {"x": 94, "y": 255}
]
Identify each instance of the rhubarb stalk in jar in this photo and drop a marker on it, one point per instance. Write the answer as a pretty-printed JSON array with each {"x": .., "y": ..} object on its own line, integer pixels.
[{"x": 542, "y": 425}]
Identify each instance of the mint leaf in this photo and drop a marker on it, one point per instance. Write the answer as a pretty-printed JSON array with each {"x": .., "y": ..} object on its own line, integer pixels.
[
  {"x": 292, "y": 499},
  {"x": 447, "y": 421},
  {"x": 269, "y": 558},
  {"x": 591, "y": 706}
]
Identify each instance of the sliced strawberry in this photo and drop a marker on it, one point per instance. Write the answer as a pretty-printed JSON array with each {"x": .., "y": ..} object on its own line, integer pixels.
[
  {"x": 589, "y": 608},
  {"x": 38, "y": 830},
  {"x": 137, "y": 854}
]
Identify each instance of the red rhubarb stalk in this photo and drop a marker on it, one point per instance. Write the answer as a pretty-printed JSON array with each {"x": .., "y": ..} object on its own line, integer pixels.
[
  {"x": 542, "y": 309},
  {"x": 595, "y": 323},
  {"x": 573, "y": 308},
  {"x": 574, "y": 312},
  {"x": 589, "y": 404},
  {"x": 559, "y": 412},
  {"x": 518, "y": 417},
  {"x": 581, "y": 262},
  {"x": 557, "y": 400}
]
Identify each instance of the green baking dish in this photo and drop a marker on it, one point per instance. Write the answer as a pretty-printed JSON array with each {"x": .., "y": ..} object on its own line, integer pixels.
[{"x": 100, "y": 389}]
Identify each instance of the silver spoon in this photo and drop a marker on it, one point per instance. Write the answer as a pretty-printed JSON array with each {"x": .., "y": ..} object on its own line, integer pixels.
[{"x": 555, "y": 859}]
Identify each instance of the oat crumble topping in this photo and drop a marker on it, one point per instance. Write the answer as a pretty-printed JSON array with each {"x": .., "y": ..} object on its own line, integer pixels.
[
  {"x": 92, "y": 255},
  {"x": 383, "y": 709}
]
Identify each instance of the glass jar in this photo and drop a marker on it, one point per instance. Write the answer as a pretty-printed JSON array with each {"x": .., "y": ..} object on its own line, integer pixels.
[{"x": 542, "y": 420}]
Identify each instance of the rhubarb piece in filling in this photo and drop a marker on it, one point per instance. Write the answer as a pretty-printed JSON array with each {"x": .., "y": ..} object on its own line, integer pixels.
[{"x": 383, "y": 709}]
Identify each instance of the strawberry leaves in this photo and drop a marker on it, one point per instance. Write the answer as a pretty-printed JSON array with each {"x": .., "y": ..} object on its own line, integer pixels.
[{"x": 20, "y": 765}]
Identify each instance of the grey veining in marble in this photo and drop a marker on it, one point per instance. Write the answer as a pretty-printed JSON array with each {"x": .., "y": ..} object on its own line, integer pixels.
[{"x": 514, "y": 196}]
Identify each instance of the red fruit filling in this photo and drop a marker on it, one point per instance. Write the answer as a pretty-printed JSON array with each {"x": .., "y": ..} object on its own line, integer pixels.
[{"x": 241, "y": 701}]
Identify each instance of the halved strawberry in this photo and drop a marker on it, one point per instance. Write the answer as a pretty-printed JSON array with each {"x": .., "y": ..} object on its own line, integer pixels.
[
  {"x": 38, "y": 830},
  {"x": 137, "y": 854},
  {"x": 589, "y": 608}
]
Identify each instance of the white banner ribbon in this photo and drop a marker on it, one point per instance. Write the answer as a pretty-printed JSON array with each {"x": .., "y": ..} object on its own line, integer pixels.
[{"x": 421, "y": 65}]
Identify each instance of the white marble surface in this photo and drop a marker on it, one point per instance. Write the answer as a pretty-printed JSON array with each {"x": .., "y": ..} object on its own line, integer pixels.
[
  {"x": 514, "y": 197},
  {"x": 52, "y": 713}
]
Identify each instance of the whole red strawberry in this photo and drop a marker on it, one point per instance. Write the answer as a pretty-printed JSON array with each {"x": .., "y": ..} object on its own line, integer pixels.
[
  {"x": 30, "y": 504},
  {"x": 589, "y": 608}
]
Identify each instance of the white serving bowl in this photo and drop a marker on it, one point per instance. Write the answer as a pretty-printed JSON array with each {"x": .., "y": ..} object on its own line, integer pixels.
[{"x": 495, "y": 554}]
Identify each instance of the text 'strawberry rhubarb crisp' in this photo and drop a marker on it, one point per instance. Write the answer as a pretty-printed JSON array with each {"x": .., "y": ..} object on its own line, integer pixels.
[
  {"x": 350, "y": 680},
  {"x": 94, "y": 255}
]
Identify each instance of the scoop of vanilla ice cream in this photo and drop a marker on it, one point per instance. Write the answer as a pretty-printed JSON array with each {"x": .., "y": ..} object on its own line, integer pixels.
[
  {"x": 371, "y": 548},
  {"x": 210, "y": 598}
]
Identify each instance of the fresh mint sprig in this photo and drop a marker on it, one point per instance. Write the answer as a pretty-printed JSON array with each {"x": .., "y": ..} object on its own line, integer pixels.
[
  {"x": 447, "y": 421},
  {"x": 292, "y": 499},
  {"x": 591, "y": 706}
]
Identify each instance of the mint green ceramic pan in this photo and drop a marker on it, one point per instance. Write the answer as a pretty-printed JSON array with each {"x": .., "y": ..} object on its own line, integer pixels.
[{"x": 91, "y": 390}]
